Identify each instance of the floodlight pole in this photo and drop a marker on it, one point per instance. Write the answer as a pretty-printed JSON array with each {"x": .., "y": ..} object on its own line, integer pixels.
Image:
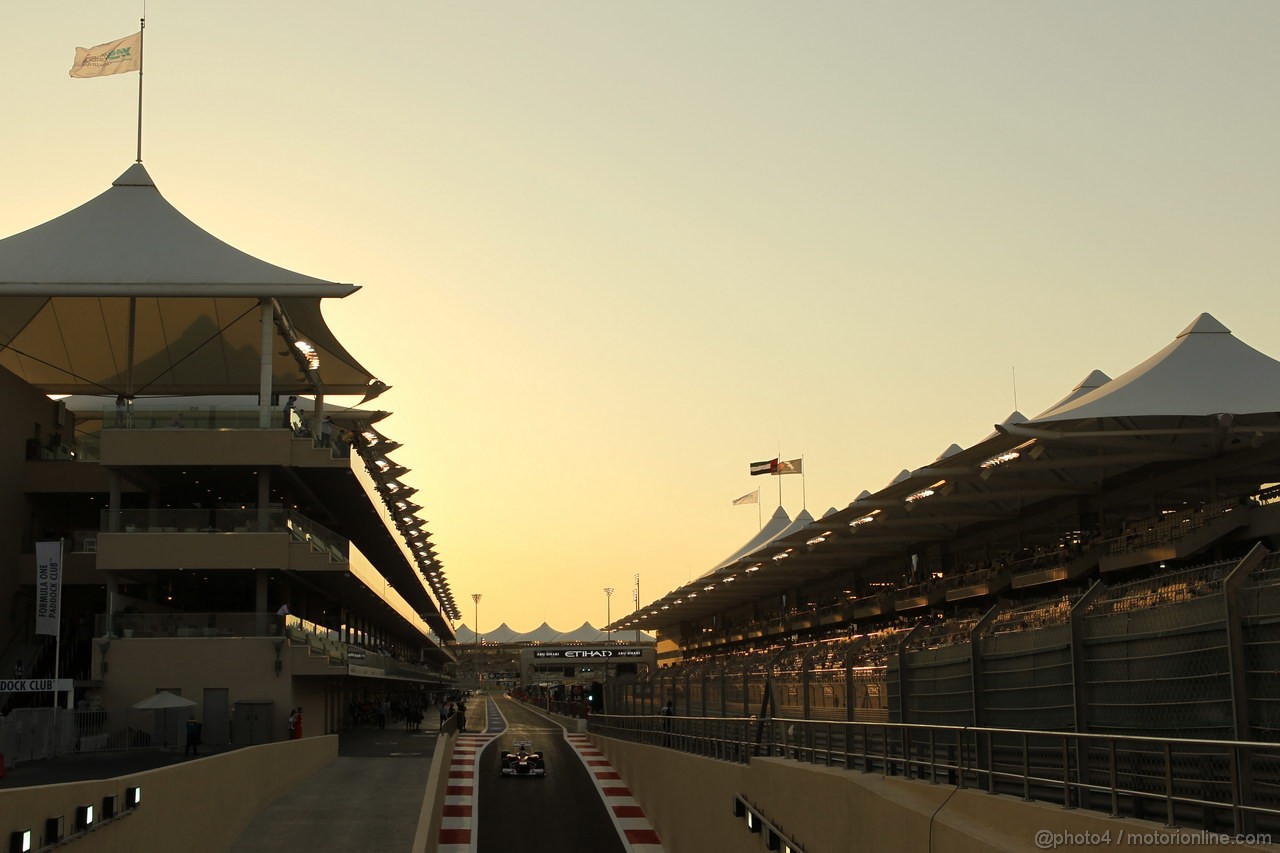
[
  {"x": 475, "y": 596},
  {"x": 608, "y": 600},
  {"x": 636, "y": 598}
]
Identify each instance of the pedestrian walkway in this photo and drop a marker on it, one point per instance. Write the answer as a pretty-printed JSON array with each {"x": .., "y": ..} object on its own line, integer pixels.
[{"x": 368, "y": 798}]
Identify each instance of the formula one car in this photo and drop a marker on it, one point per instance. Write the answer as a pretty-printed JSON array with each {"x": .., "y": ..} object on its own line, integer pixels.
[{"x": 523, "y": 761}]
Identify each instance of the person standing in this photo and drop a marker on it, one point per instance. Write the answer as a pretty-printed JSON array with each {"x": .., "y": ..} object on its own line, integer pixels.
[
  {"x": 193, "y": 736},
  {"x": 289, "y": 411},
  {"x": 297, "y": 724},
  {"x": 293, "y": 716}
]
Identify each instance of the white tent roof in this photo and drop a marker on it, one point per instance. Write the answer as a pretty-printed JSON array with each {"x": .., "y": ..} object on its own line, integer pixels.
[
  {"x": 163, "y": 699},
  {"x": 773, "y": 527},
  {"x": 1206, "y": 370},
  {"x": 131, "y": 236},
  {"x": 802, "y": 520},
  {"x": 1095, "y": 380},
  {"x": 72, "y": 288},
  {"x": 544, "y": 633},
  {"x": 584, "y": 633}
]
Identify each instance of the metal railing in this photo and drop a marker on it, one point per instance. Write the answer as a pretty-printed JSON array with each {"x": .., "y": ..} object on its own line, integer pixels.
[
  {"x": 31, "y": 734},
  {"x": 190, "y": 520},
  {"x": 1213, "y": 784}
]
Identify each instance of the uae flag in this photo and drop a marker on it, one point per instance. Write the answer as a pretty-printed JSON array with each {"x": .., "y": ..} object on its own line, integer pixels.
[{"x": 768, "y": 467}]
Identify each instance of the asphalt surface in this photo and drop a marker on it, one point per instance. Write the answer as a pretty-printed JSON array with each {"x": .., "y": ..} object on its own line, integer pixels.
[
  {"x": 560, "y": 812},
  {"x": 368, "y": 798}
]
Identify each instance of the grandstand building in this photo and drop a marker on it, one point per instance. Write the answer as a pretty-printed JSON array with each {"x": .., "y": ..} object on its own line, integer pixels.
[
  {"x": 228, "y": 531},
  {"x": 1107, "y": 566}
]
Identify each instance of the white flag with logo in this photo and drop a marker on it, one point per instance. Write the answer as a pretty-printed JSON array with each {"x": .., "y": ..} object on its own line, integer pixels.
[
  {"x": 748, "y": 498},
  {"x": 114, "y": 57},
  {"x": 48, "y": 586}
]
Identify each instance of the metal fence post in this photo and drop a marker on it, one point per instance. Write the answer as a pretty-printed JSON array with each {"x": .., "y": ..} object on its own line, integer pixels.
[
  {"x": 1026, "y": 768},
  {"x": 1066, "y": 774},
  {"x": 1115, "y": 794}
]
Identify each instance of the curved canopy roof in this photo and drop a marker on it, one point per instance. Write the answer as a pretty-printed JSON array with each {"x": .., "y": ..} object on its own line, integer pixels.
[
  {"x": 72, "y": 289},
  {"x": 1205, "y": 370},
  {"x": 773, "y": 528},
  {"x": 1202, "y": 397}
]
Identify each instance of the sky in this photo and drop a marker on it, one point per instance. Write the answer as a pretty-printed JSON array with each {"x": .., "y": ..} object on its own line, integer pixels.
[{"x": 613, "y": 252}]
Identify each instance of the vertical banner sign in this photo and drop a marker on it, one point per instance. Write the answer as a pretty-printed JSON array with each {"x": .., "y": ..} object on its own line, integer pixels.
[{"x": 48, "y": 586}]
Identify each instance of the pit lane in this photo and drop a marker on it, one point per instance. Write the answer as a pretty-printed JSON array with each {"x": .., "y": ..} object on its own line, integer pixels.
[{"x": 559, "y": 812}]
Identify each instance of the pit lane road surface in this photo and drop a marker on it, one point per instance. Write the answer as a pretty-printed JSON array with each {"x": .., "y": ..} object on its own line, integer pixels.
[{"x": 559, "y": 812}]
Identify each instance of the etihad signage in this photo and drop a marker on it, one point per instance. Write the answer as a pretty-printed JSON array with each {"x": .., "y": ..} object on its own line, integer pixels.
[{"x": 580, "y": 654}]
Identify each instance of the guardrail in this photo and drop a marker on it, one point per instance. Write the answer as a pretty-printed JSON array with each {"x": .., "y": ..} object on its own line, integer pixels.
[{"x": 1212, "y": 784}]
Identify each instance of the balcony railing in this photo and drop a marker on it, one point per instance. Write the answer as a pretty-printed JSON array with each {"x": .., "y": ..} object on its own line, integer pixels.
[
  {"x": 190, "y": 520},
  {"x": 221, "y": 417},
  {"x": 198, "y": 520}
]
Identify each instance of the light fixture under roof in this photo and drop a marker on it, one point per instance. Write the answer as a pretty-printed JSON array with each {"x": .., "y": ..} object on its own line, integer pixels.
[
  {"x": 999, "y": 459},
  {"x": 309, "y": 353},
  {"x": 866, "y": 519},
  {"x": 925, "y": 493}
]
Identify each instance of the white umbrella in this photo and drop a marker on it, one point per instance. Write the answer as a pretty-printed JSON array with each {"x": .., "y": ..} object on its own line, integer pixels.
[{"x": 163, "y": 701}]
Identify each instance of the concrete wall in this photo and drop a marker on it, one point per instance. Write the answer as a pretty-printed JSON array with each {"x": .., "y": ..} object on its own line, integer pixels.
[
  {"x": 199, "y": 805},
  {"x": 690, "y": 799},
  {"x": 24, "y": 408},
  {"x": 244, "y": 665}
]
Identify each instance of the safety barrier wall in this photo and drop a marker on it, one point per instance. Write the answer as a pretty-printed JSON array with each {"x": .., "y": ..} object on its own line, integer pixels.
[
  {"x": 689, "y": 799},
  {"x": 199, "y": 805}
]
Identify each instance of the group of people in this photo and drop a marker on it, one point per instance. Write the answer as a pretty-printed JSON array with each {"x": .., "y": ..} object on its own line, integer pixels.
[
  {"x": 458, "y": 709},
  {"x": 293, "y": 420}
]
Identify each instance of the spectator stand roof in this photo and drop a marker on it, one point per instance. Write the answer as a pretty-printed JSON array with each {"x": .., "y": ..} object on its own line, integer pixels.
[
  {"x": 1205, "y": 396},
  {"x": 126, "y": 274}
]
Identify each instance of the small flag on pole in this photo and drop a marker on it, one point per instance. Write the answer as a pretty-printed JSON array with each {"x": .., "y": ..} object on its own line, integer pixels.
[
  {"x": 114, "y": 57},
  {"x": 769, "y": 466},
  {"x": 749, "y": 498},
  {"x": 794, "y": 466}
]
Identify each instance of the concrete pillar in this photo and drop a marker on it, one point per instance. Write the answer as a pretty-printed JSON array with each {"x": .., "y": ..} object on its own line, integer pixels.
[
  {"x": 113, "y": 501},
  {"x": 267, "y": 319},
  {"x": 264, "y": 498}
]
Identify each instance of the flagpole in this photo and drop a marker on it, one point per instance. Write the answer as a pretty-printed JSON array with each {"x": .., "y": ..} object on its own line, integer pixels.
[
  {"x": 141, "y": 52},
  {"x": 804, "y": 492}
]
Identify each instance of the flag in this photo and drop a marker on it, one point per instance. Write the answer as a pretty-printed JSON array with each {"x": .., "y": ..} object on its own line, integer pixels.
[
  {"x": 48, "y": 586},
  {"x": 792, "y": 467},
  {"x": 769, "y": 466},
  {"x": 114, "y": 57},
  {"x": 748, "y": 498}
]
